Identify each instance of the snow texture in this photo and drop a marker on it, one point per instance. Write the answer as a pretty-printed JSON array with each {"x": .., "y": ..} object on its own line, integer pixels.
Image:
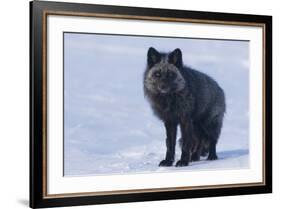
[{"x": 109, "y": 127}]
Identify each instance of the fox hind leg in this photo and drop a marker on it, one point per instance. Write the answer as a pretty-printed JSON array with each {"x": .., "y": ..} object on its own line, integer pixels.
[
  {"x": 214, "y": 130},
  {"x": 197, "y": 144},
  {"x": 201, "y": 144}
]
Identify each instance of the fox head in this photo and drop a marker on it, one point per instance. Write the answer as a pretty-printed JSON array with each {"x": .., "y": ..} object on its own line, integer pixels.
[{"x": 163, "y": 73}]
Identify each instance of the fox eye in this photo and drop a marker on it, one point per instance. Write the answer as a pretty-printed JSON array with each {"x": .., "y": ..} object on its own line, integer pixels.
[{"x": 157, "y": 74}]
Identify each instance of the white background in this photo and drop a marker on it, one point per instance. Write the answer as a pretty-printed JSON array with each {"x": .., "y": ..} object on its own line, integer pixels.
[{"x": 14, "y": 111}]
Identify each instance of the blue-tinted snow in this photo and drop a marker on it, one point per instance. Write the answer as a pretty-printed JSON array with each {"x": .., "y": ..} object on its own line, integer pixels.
[{"x": 108, "y": 124}]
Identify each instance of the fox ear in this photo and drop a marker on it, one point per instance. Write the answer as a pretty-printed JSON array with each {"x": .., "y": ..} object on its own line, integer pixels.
[
  {"x": 175, "y": 57},
  {"x": 153, "y": 57}
]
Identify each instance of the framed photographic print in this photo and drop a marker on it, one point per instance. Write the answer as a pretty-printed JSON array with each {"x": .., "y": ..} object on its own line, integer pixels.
[{"x": 140, "y": 104}]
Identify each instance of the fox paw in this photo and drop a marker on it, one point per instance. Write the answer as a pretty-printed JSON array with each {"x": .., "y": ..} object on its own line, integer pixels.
[
  {"x": 195, "y": 157},
  {"x": 182, "y": 163},
  {"x": 166, "y": 163},
  {"x": 212, "y": 157}
]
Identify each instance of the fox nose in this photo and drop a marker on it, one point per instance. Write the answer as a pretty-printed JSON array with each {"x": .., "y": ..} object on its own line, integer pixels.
[{"x": 163, "y": 88}]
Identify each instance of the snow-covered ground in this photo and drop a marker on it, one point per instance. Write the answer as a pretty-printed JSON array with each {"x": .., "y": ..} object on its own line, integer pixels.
[{"x": 109, "y": 127}]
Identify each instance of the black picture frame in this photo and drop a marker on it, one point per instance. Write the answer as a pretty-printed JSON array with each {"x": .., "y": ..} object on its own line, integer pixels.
[{"x": 38, "y": 130}]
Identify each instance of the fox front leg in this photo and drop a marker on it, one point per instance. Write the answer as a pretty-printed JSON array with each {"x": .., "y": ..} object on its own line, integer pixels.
[
  {"x": 186, "y": 131},
  {"x": 171, "y": 135}
]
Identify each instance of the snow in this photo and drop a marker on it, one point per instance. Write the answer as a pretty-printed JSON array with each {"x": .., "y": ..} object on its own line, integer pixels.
[{"x": 109, "y": 127}]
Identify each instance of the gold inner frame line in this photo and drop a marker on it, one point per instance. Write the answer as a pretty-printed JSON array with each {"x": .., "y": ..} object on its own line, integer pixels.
[{"x": 148, "y": 18}]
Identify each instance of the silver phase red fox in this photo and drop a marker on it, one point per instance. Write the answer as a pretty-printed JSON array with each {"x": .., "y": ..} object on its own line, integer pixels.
[{"x": 182, "y": 96}]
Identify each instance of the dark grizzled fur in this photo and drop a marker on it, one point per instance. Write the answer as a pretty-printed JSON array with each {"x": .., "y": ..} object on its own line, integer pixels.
[{"x": 188, "y": 98}]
